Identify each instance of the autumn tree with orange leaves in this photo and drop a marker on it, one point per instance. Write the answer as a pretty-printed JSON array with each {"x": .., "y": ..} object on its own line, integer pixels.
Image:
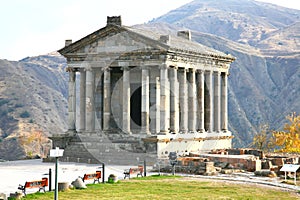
[
  {"x": 264, "y": 139},
  {"x": 288, "y": 140}
]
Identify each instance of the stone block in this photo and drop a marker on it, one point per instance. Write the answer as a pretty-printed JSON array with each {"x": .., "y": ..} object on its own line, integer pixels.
[
  {"x": 266, "y": 173},
  {"x": 222, "y": 165},
  {"x": 233, "y": 151},
  {"x": 16, "y": 195},
  {"x": 79, "y": 184},
  {"x": 278, "y": 161},
  {"x": 209, "y": 167},
  {"x": 63, "y": 186},
  {"x": 2, "y": 196},
  {"x": 226, "y": 171}
]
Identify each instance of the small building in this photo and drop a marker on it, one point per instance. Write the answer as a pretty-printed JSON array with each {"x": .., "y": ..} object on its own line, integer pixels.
[{"x": 137, "y": 94}]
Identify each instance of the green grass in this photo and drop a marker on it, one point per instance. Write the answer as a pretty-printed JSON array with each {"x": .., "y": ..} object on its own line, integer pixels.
[{"x": 167, "y": 187}]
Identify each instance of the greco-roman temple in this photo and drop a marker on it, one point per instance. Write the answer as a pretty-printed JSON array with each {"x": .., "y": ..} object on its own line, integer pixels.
[{"x": 135, "y": 94}]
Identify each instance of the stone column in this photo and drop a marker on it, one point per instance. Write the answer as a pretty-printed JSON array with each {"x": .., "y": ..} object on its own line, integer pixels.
[
  {"x": 164, "y": 100},
  {"x": 192, "y": 102},
  {"x": 174, "y": 101},
  {"x": 208, "y": 102},
  {"x": 72, "y": 100},
  {"x": 106, "y": 100},
  {"x": 157, "y": 105},
  {"x": 217, "y": 106},
  {"x": 90, "y": 100},
  {"x": 200, "y": 98},
  {"x": 145, "y": 101},
  {"x": 224, "y": 102},
  {"x": 183, "y": 100},
  {"x": 126, "y": 101},
  {"x": 82, "y": 99},
  {"x": 98, "y": 98}
]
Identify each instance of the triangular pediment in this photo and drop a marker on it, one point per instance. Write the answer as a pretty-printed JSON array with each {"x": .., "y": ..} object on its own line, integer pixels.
[{"x": 112, "y": 39}]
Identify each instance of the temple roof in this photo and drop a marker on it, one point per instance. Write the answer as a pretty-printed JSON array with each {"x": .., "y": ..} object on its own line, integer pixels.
[
  {"x": 177, "y": 42},
  {"x": 170, "y": 43}
]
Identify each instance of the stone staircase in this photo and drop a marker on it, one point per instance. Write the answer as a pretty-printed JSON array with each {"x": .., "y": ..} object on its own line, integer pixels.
[{"x": 109, "y": 148}]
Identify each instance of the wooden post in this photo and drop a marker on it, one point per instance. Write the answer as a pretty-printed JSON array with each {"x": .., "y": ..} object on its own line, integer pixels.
[{"x": 145, "y": 170}]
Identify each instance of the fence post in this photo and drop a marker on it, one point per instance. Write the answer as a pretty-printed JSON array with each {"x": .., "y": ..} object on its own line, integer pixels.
[
  {"x": 50, "y": 179},
  {"x": 145, "y": 168},
  {"x": 103, "y": 173}
]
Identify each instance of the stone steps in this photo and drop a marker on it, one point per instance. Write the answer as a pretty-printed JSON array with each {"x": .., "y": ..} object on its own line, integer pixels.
[{"x": 97, "y": 148}]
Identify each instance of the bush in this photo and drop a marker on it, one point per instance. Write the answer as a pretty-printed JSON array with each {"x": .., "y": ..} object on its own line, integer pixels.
[
  {"x": 25, "y": 114},
  {"x": 18, "y": 105},
  {"x": 3, "y": 113},
  {"x": 3, "y": 101}
]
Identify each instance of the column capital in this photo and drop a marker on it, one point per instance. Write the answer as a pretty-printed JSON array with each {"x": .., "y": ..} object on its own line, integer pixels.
[
  {"x": 208, "y": 72},
  {"x": 164, "y": 66},
  {"x": 71, "y": 69},
  {"x": 226, "y": 73},
  {"x": 217, "y": 72},
  {"x": 173, "y": 67},
  {"x": 107, "y": 69},
  {"x": 191, "y": 70},
  {"x": 199, "y": 71},
  {"x": 89, "y": 69},
  {"x": 181, "y": 69},
  {"x": 144, "y": 67}
]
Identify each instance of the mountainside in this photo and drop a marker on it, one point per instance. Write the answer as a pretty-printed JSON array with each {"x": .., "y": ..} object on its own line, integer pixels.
[
  {"x": 244, "y": 21},
  {"x": 264, "y": 80},
  {"x": 33, "y": 105}
]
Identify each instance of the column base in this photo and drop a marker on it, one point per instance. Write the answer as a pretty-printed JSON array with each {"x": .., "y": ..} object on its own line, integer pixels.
[
  {"x": 192, "y": 132},
  {"x": 145, "y": 132},
  {"x": 163, "y": 132}
]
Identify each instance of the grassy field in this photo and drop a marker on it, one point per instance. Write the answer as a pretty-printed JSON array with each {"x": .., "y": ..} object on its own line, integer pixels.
[{"x": 168, "y": 188}]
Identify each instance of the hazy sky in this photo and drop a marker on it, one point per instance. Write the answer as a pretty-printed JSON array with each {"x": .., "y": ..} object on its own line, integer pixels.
[{"x": 35, "y": 27}]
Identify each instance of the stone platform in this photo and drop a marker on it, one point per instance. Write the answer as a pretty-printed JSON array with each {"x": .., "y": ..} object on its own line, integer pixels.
[{"x": 130, "y": 149}]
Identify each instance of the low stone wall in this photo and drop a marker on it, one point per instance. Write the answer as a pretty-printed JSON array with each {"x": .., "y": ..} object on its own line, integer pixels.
[
  {"x": 246, "y": 162},
  {"x": 240, "y": 160},
  {"x": 198, "y": 168}
]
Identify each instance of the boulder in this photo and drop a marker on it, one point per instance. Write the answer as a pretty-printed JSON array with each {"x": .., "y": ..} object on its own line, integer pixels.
[{"x": 78, "y": 184}]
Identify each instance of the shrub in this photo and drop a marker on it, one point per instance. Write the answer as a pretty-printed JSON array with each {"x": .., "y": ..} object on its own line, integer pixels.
[
  {"x": 3, "y": 113},
  {"x": 25, "y": 114},
  {"x": 3, "y": 101},
  {"x": 19, "y": 105}
]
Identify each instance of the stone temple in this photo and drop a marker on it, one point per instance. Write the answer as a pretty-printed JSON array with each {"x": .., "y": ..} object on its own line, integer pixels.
[{"x": 135, "y": 94}]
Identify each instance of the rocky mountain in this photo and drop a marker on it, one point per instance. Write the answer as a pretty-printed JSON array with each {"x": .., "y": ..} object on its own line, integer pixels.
[
  {"x": 263, "y": 83},
  {"x": 33, "y": 104},
  {"x": 243, "y": 21}
]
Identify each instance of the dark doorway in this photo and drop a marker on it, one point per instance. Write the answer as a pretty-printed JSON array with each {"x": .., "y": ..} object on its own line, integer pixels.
[{"x": 135, "y": 107}]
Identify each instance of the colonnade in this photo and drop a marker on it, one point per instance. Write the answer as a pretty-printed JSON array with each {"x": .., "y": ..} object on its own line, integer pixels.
[{"x": 190, "y": 100}]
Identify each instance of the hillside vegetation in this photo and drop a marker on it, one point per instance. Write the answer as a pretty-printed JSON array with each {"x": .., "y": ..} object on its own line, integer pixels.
[{"x": 33, "y": 105}]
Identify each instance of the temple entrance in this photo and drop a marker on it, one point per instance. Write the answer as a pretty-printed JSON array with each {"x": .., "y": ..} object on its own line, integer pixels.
[{"x": 135, "y": 107}]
